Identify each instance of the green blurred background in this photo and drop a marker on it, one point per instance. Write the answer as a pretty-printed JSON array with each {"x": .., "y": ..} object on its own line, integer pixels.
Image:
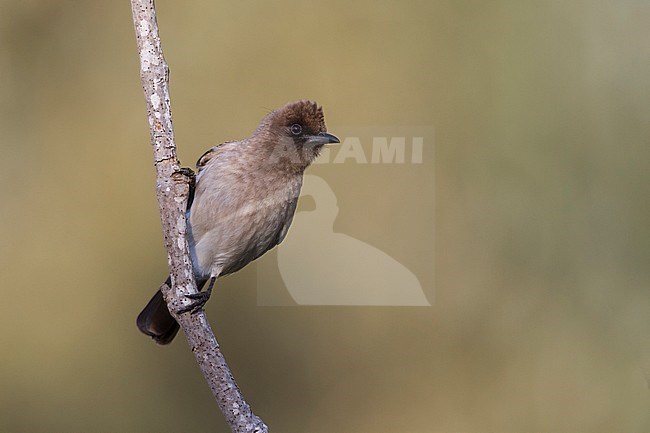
[{"x": 541, "y": 315}]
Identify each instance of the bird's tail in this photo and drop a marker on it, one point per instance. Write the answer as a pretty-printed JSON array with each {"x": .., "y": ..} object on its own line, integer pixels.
[{"x": 155, "y": 320}]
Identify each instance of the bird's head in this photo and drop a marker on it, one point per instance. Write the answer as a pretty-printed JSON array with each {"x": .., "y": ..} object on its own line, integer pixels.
[{"x": 297, "y": 131}]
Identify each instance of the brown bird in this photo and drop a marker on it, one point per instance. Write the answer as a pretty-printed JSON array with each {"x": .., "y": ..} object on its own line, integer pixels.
[{"x": 245, "y": 197}]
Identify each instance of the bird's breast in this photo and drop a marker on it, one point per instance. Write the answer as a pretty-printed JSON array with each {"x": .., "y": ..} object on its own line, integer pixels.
[{"x": 232, "y": 226}]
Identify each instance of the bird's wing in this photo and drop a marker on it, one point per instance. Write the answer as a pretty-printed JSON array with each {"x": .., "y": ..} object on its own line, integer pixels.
[{"x": 208, "y": 155}]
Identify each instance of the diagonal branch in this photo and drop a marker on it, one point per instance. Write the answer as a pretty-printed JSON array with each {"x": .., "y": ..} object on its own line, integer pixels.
[{"x": 172, "y": 190}]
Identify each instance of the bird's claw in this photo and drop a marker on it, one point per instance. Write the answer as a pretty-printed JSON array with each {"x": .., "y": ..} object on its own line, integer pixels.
[{"x": 199, "y": 299}]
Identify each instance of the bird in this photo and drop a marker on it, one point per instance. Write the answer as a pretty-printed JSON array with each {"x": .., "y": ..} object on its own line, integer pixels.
[{"x": 244, "y": 200}]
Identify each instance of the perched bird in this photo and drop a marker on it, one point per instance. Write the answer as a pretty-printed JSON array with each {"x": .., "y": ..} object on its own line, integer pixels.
[{"x": 243, "y": 204}]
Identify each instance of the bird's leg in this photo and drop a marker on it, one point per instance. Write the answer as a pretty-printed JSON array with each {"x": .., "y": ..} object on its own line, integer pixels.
[
  {"x": 189, "y": 173},
  {"x": 199, "y": 299}
]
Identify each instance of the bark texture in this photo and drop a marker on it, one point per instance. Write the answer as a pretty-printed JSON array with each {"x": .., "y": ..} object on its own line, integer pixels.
[{"x": 172, "y": 190}]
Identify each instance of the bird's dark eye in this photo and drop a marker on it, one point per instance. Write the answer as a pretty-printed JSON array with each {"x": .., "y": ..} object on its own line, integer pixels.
[{"x": 296, "y": 129}]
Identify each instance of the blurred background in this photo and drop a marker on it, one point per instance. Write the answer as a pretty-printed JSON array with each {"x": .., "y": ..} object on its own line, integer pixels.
[{"x": 536, "y": 192}]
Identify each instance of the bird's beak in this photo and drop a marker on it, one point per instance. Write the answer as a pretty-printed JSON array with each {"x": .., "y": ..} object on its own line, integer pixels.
[{"x": 322, "y": 138}]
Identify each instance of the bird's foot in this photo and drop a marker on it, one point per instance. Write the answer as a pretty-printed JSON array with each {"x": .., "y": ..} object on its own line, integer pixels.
[
  {"x": 198, "y": 301},
  {"x": 186, "y": 171}
]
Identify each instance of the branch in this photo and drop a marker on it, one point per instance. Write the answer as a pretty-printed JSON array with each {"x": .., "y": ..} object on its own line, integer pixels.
[{"x": 172, "y": 190}]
